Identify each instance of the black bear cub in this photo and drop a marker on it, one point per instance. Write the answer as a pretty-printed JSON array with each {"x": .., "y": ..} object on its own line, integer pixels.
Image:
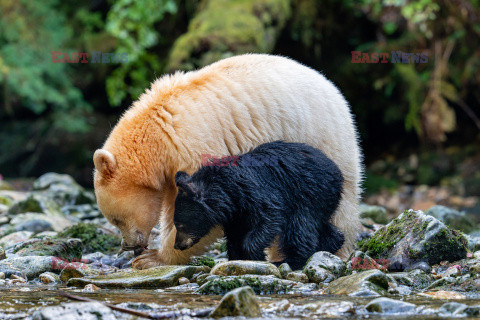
[{"x": 279, "y": 190}]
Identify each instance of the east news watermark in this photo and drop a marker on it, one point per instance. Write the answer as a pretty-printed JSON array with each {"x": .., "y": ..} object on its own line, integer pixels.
[
  {"x": 89, "y": 57},
  {"x": 389, "y": 57}
]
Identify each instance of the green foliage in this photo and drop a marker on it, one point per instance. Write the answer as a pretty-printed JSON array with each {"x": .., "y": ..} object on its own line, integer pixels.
[
  {"x": 132, "y": 23},
  {"x": 29, "y": 31}
]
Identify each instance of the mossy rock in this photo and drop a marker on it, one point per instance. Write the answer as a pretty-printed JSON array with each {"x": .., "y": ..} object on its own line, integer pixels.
[
  {"x": 220, "y": 285},
  {"x": 59, "y": 248},
  {"x": 226, "y": 28},
  {"x": 413, "y": 237},
  {"x": 202, "y": 261},
  {"x": 94, "y": 238}
]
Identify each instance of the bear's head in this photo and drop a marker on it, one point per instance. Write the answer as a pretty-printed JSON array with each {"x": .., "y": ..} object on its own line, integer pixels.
[
  {"x": 192, "y": 216},
  {"x": 124, "y": 199}
]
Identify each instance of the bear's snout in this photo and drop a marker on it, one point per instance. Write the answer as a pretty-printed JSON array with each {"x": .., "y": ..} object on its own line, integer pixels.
[{"x": 183, "y": 241}]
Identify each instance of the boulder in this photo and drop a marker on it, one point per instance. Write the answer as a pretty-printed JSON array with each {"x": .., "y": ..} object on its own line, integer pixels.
[
  {"x": 364, "y": 284},
  {"x": 324, "y": 267},
  {"x": 259, "y": 284},
  {"x": 29, "y": 267},
  {"x": 159, "y": 277},
  {"x": 38, "y": 203},
  {"x": 241, "y": 267},
  {"x": 413, "y": 237},
  {"x": 238, "y": 302}
]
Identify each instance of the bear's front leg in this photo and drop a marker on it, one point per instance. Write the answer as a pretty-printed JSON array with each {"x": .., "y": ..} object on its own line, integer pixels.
[
  {"x": 257, "y": 241},
  {"x": 167, "y": 255}
]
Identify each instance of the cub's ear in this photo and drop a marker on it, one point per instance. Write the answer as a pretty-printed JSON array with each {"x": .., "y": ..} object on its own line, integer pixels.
[
  {"x": 182, "y": 184},
  {"x": 104, "y": 162}
]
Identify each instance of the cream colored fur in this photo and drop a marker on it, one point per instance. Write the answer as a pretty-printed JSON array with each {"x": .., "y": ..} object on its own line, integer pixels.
[{"x": 227, "y": 108}]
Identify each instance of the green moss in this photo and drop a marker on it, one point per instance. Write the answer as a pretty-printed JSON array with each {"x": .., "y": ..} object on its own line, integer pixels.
[
  {"x": 223, "y": 28},
  {"x": 93, "y": 237},
  {"x": 202, "y": 261},
  {"x": 59, "y": 248}
]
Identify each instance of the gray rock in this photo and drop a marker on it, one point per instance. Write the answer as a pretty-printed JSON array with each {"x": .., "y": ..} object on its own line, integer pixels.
[
  {"x": 238, "y": 302},
  {"x": 376, "y": 213},
  {"x": 454, "y": 219},
  {"x": 39, "y": 222},
  {"x": 421, "y": 265},
  {"x": 36, "y": 202},
  {"x": 35, "y": 226},
  {"x": 297, "y": 276},
  {"x": 63, "y": 189},
  {"x": 259, "y": 284},
  {"x": 49, "y": 277},
  {"x": 29, "y": 267},
  {"x": 159, "y": 277},
  {"x": 324, "y": 267},
  {"x": 453, "y": 308},
  {"x": 390, "y": 306},
  {"x": 284, "y": 269},
  {"x": 473, "y": 241},
  {"x": 2, "y": 254},
  {"x": 241, "y": 267},
  {"x": 70, "y": 249},
  {"x": 15, "y": 238},
  {"x": 413, "y": 237},
  {"x": 364, "y": 284},
  {"x": 81, "y": 270},
  {"x": 75, "y": 311}
]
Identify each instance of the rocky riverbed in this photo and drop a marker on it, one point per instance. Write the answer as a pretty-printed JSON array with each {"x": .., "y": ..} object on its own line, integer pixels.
[{"x": 53, "y": 239}]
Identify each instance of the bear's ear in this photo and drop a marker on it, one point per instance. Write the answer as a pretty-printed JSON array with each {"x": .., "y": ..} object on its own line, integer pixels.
[
  {"x": 104, "y": 162},
  {"x": 182, "y": 184}
]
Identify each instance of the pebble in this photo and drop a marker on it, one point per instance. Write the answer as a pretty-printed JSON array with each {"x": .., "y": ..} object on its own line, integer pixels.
[
  {"x": 2, "y": 276},
  {"x": 90, "y": 288},
  {"x": 183, "y": 280}
]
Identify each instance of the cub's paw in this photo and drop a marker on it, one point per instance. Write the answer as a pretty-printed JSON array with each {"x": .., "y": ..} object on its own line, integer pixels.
[{"x": 148, "y": 259}]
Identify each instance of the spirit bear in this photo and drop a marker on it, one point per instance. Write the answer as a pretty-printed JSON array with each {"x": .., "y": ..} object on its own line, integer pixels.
[
  {"x": 287, "y": 191},
  {"x": 224, "y": 109}
]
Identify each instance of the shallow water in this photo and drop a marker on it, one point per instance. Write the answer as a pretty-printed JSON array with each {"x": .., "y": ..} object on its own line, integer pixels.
[{"x": 20, "y": 302}]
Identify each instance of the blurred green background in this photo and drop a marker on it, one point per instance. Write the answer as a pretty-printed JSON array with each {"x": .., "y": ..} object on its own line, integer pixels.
[{"x": 418, "y": 122}]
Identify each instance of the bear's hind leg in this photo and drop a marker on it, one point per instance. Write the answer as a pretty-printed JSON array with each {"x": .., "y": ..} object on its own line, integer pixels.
[{"x": 299, "y": 242}]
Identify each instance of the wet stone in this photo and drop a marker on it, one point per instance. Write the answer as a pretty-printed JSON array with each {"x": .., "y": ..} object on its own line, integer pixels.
[
  {"x": 30, "y": 267},
  {"x": 259, "y": 284},
  {"x": 364, "y": 284},
  {"x": 242, "y": 267},
  {"x": 238, "y": 302},
  {"x": 284, "y": 269},
  {"x": 75, "y": 310},
  {"x": 297, "y": 276},
  {"x": 159, "y": 277},
  {"x": 49, "y": 277},
  {"x": 324, "y": 267},
  {"x": 390, "y": 306}
]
